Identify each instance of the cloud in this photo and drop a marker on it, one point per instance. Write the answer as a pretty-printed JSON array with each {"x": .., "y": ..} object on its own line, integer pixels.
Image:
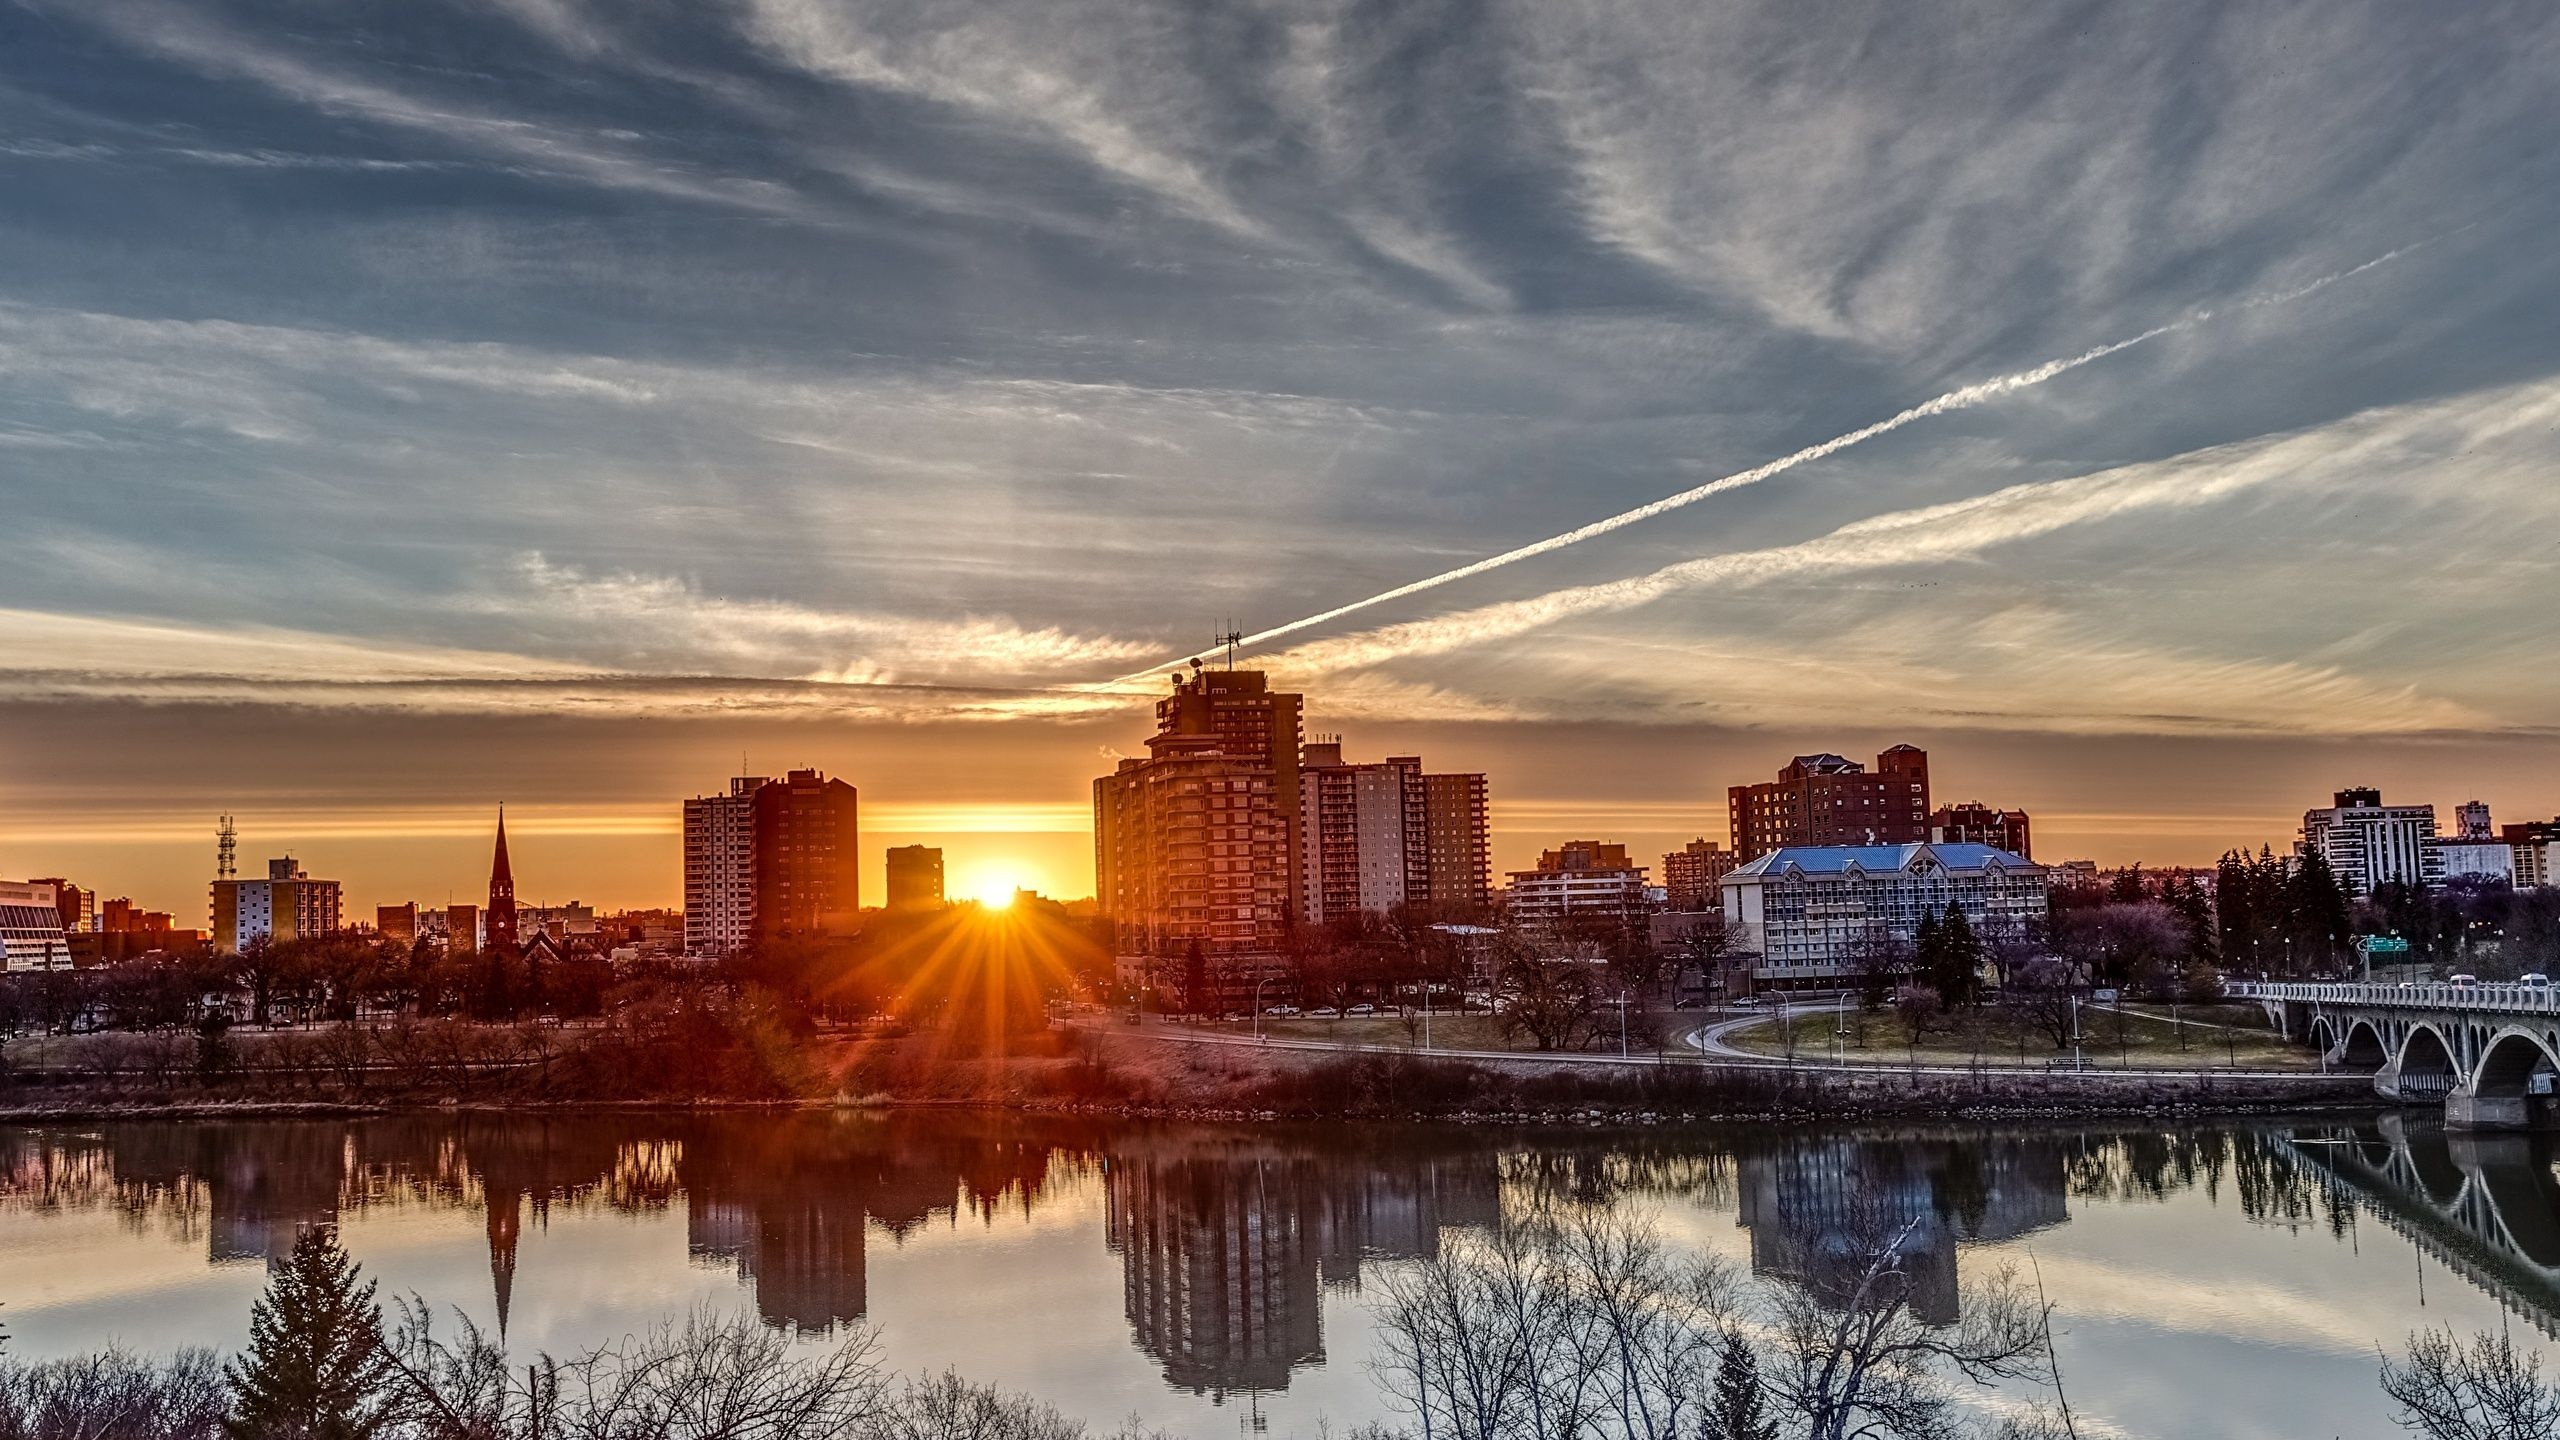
[
  {"x": 586, "y": 154},
  {"x": 2482, "y": 446}
]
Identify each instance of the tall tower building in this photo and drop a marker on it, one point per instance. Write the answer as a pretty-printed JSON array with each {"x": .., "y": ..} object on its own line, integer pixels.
[
  {"x": 1457, "y": 841},
  {"x": 720, "y": 869},
  {"x": 914, "y": 874},
  {"x": 1828, "y": 800},
  {"x": 1199, "y": 840},
  {"x": 498, "y": 922},
  {"x": 1361, "y": 833},
  {"x": 808, "y": 851}
]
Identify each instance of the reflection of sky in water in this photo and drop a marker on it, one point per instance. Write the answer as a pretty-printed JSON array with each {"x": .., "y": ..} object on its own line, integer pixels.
[{"x": 2178, "y": 1315}]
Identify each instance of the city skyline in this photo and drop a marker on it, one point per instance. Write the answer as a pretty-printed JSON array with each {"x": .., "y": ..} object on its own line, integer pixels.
[{"x": 538, "y": 402}]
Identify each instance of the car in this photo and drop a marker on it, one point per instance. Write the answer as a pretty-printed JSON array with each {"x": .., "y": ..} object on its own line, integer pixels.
[
  {"x": 1745, "y": 1002},
  {"x": 1324, "y": 1012},
  {"x": 2462, "y": 980},
  {"x": 2534, "y": 978},
  {"x": 1361, "y": 1010},
  {"x": 1283, "y": 1011}
]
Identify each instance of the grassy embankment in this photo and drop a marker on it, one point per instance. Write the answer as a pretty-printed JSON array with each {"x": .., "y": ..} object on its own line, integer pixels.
[{"x": 2137, "y": 1038}]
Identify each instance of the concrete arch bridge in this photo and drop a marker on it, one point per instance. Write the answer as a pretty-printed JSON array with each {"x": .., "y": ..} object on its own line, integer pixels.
[{"x": 2490, "y": 1054}]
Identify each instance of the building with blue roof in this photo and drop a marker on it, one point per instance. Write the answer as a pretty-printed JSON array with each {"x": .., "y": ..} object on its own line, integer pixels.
[{"x": 1824, "y": 914}]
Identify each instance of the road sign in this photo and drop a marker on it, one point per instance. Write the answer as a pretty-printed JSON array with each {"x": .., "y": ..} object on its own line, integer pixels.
[{"x": 2384, "y": 945}]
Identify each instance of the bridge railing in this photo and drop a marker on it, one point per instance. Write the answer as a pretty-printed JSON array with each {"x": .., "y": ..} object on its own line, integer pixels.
[{"x": 2502, "y": 997}]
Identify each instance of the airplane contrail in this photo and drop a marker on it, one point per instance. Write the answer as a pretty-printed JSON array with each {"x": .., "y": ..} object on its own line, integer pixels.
[{"x": 1962, "y": 398}]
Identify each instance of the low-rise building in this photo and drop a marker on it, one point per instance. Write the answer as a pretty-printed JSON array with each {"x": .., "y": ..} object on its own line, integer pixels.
[
  {"x": 1585, "y": 879},
  {"x": 31, "y": 933},
  {"x": 1821, "y": 914},
  {"x": 288, "y": 905}
]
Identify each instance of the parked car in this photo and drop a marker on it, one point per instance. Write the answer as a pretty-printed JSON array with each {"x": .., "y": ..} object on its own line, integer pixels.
[
  {"x": 1362, "y": 1010},
  {"x": 1284, "y": 1011},
  {"x": 1324, "y": 1012}
]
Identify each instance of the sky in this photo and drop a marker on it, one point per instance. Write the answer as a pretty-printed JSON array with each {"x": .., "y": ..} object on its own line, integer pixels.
[{"x": 411, "y": 407}]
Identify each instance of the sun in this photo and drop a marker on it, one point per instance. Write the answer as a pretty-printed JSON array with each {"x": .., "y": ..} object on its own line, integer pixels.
[{"x": 992, "y": 884}]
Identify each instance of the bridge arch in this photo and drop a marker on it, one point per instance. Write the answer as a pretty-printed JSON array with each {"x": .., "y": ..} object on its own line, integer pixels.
[
  {"x": 2365, "y": 1048},
  {"x": 2428, "y": 1069},
  {"x": 2509, "y": 1062}
]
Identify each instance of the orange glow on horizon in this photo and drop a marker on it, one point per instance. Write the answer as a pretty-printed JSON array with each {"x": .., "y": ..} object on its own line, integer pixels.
[{"x": 992, "y": 881}]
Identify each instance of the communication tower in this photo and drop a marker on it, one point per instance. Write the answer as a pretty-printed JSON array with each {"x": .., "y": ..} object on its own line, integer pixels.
[{"x": 226, "y": 849}]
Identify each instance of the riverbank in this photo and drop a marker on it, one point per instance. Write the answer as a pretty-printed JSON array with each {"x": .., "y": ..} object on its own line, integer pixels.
[{"x": 1172, "y": 1073}]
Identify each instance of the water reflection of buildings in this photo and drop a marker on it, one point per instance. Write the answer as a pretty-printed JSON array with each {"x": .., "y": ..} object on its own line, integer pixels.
[
  {"x": 1816, "y": 1208},
  {"x": 2484, "y": 1205},
  {"x": 1225, "y": 1249},
  {"x": 786, "y": 1202}
]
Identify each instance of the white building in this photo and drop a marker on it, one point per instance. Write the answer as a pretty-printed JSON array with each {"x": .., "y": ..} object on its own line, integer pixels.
[
  {"x": 31, "y": 935},
  {"x": 1818, "y": 912},
  {"x": 2369, "y": 844},
  {"x": 720, "y": 869},
  {"x": 1584, "y": 879}
]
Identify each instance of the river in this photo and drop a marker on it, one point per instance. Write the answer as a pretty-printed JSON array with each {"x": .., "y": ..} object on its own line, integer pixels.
[{"x": 2216, "y": 1280}]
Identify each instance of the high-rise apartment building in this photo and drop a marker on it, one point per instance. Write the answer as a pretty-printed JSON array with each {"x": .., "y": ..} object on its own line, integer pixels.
[
  {"x": 1361, "y": 833},
  {"x": 1199, "y": 840},
  {"x": 808, "y": 850},
  {"x": 462, "y": 927},
  {"x": 287, "y": 905},
  {"x": 396, "y": 922},
  {"x": 914, "y": 876},
  {"x": 720, "y": 869},
  {"x": 1585, "y": 879},
  {"x": 2471, "y": 821},
  {"x": 1974, "y": 823},
  {"x": 31, "y": 933},
  {"x": 1690, "y": 875},
  {"x": 1828, "y": 800},
  {"x": 2370, "y": 844},
  {"x": 1373, "y": 836},
  {"x": 1458, "y": 842}
]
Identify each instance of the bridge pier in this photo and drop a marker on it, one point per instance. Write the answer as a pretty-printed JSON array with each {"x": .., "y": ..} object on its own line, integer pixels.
[{"x": 2467, "y": 1109}]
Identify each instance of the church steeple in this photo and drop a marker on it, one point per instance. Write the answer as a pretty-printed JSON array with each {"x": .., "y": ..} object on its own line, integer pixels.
[{"x": 502, "y": 895}]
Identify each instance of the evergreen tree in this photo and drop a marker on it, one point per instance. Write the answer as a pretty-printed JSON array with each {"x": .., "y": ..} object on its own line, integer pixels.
[
  {"x": 1960, "y": 957},
  {"x": 1195, "y": 978},
  {"x": 1740, "y": 1411},
  {"x": 2234, "y": 914},
  {"x": 2126, "y": 888},
  {"x": 1928, "y": 949},
  {"x": 2195, "y": 913},
  {"x": 2315, "y": 909},
  {"x": 315, "y": 1369}
]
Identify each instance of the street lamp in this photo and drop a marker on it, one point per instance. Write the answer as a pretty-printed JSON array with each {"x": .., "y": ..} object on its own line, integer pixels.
[{"x": 1257, "y": 1006}]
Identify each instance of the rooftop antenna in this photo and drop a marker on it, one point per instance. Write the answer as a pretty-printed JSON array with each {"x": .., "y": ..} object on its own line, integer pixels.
[
  {"x": 226, "y": 849},
  {"x": 1231, "y": 639}
]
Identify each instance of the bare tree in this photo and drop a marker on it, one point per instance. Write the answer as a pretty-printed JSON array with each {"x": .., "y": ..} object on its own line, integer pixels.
[
  {"x": 114, "y": 1396},
  {"x": 2485, "y": 1389},
  {"x": 1580, "y": 1326},
  {"x": 1550, "y": 1000},
  {"x": 1856, "y": 1361}
]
